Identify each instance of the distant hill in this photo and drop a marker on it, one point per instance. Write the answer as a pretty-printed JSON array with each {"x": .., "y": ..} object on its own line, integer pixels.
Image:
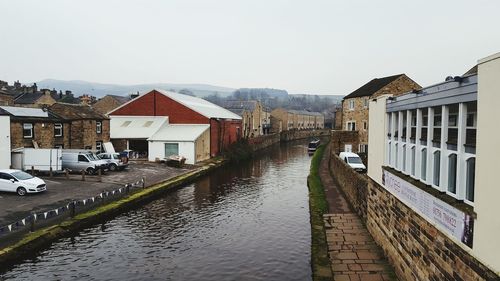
[{"x": 98, "y": 90}]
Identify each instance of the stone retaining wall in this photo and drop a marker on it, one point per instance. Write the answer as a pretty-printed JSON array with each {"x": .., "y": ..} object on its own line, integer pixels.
[
  {"x": 416, "y": 249},
  {"x": 303, "y": 134}
]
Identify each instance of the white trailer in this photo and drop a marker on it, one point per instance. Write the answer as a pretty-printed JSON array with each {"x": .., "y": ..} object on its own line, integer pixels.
[{"x": 39, "y": 159}]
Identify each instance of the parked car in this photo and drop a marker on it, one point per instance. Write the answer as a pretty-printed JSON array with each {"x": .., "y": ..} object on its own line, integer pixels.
[
  {"x": 353, "y": 160},
  {"x": 114, "y": 160},
  {"x": 87, "y": 161},
  {"x": 20, "y": 182}
]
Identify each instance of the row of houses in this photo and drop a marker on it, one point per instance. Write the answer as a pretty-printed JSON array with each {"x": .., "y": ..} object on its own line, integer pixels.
[{"x": 434, "y": 150}]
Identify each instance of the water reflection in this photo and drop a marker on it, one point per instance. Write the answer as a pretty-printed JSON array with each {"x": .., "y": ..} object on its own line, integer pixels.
[{"x": 243, "y": 222}]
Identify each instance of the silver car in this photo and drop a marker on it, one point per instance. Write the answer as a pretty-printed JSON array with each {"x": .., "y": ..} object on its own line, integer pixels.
[{"x": 115, "y": 162}]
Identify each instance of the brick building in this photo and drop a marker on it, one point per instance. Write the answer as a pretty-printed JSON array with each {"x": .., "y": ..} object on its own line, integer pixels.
[
  {"x": 35, "y": 127},
  {"x": 287, "y": 119},
  {"x": 354, "y": 115},
  {"x": 225, "y": 126},
  {"x": 109, "y": 102},
  {"x": 256, "y": 120},
  {"x": 87, "y": 128},
  {"x": 432, "y": 184}
]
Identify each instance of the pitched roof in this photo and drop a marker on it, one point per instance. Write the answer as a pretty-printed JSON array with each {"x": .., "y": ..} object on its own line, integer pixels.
[
  {"x": 471, "y": 71},
  {"x": 373, "y": 86},
  {"x": 24, "y": 111},
  {"x": 240, "y": 104},
  {"x": 201, "y": 106},
  {"x": 305, "y": 112},
  {"x": 120, "y": 99},
  {"x": 75, "y": 111},
  {"x": 28, "y": 98},
  {"x": 136, "y": 127},
  {"x": 179, "y": 132}
]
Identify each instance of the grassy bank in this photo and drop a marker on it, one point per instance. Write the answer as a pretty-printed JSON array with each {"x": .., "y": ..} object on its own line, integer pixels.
[{"x": 318, "y": 206}]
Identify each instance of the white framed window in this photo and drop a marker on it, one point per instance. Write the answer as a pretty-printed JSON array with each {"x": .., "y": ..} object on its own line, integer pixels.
[
  {"x": 412, "y": 160},
  {"x": 363, "y": 148},
  {"x": 58, "y": 130},
  {"x": 404, "y": 158},
  {"x": 452, "y": 173},
  {"x": 98, "y": 146},
  {"x": 171, "y": 149},
  {"x": 437, "y": 166},
  {"x": 470, "y": 176},
  {"x": 423, "y": 166},
  {"x": 28, "y": 130},
  {"x": 351, "y": 104},
  {"x": 98, "y": 128},
  {"x": 351, "y": 126},
  {"x": 366, "y": 102}
]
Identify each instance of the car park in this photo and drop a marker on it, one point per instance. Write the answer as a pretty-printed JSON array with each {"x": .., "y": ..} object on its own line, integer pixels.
[
  {"x": 20, "y": 182},
  {"x": 353, "y": 160},
  {"x": 115, "y": 161}
]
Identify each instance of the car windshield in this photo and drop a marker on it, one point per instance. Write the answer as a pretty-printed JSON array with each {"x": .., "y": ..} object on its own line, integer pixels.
[
  {"x": 20, "y": 175},
  {"x": 354, "y": 160},
  {"x": 91, "y": 156}
]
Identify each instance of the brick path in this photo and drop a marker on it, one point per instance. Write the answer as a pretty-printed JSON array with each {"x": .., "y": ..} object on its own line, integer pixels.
[{"x": 353, "y": 253}]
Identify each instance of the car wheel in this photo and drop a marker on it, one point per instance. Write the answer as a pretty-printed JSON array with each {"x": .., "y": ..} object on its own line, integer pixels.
[
  {"x": 21, "y": 191},
  {"x": 91, "y": 171},
  {"x": 112, "y": 167}
]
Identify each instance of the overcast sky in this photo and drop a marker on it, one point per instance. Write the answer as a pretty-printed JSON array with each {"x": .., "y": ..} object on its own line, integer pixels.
[{"x": 320, "y": 47}]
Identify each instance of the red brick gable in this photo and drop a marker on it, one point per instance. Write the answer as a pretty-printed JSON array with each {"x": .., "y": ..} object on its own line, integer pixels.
[{"x": 157, "y": 104}]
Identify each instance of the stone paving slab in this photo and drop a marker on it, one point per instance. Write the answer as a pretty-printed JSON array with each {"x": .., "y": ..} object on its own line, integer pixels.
[{"x": 354, "y": 255}]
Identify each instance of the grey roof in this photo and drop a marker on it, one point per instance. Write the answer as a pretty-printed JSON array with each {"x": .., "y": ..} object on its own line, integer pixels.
[
  {"x": 25, "y": 111},
  {"x": 75, "y": 111},
  {"x": 120, "y": 99},
  {"x": 240, "y": 104},
  {"x": 305, "y": 112},
  {"x": 372, "y": 87},
  {"x": 28, "y": 98}
]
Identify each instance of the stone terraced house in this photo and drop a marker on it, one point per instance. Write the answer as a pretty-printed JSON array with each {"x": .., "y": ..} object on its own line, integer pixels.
[{"x": 354, "y": 115}]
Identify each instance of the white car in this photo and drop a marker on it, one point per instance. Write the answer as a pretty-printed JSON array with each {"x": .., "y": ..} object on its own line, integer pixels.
[
  {"x": 353, "y": 160},
  {"x": 20, "y": 182}
]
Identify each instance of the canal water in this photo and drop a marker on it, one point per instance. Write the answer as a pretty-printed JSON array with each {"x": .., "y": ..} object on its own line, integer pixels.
[{"x": 243, "y": 222}]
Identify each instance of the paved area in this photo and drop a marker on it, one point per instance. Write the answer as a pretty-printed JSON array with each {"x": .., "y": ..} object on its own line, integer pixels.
[
  {"x": 60, "y": 190},
  {"x": 353, "y": 254}
]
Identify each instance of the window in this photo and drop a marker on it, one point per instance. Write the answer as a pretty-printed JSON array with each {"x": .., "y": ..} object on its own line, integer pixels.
[
  {"x": 351, "y": 104},
  {"x": 366, "y": 102},
  {"x": 98, "y": 127},
  {"x": 171, "y": 149},
  {"x": 412, "y": 163},
  {"x": 82, "y": 158},
  {"x": 126, "y": 123},
  {"x": 98, "y": 146},
  {"x": 365, "y": 125},
  {"x": 28, "y": 130},
  {"x": 351, "y": 126},
  {"x": 58, "y": 130},
  {"x": 396, "y": 150},
  {"x": 437, "y": 163},
  {"x": 452, "y": 173},
  {"x": 470, "y": 178},
  {"x": 363, "y": 148},
  {"x": 423, "y": 166},
  {"x": 404, "y": 158}
]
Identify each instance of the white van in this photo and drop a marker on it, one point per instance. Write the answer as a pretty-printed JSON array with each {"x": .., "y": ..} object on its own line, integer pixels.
[
  {"x": 353, "y": 160},
  {"x": 81, "y": 160}
]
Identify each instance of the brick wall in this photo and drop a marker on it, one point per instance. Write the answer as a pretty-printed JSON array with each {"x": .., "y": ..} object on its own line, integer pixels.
[
  {"x": 43, "y": 135},
  {"x": 341, "y": 138},
  {"x": 352, "y": 183},
  {"x": 416, "y": 249}
]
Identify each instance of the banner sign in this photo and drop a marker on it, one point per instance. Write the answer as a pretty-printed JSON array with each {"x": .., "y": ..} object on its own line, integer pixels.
[{"x": 446, "y": 217}]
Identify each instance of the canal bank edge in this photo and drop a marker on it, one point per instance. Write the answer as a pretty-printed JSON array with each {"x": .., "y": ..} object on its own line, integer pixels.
[
  {"x": 40, "y": 238},
  {"x": 320, "y": 262}
]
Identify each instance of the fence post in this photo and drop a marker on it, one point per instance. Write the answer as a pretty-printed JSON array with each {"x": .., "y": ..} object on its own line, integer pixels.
[
  {"x": 32, "y": 222},
  {"x": 127, "y": 188},
  {"x": 50, "y": 172},
  {"x": 83, "y": 175},
  {"x": 66, "y": 171},
  {"x": 32, "y": 171},
  {"x": 143, "y": 182},
  {"x": 72, "y": 209},
  {"x": 99, "y": 177}
]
